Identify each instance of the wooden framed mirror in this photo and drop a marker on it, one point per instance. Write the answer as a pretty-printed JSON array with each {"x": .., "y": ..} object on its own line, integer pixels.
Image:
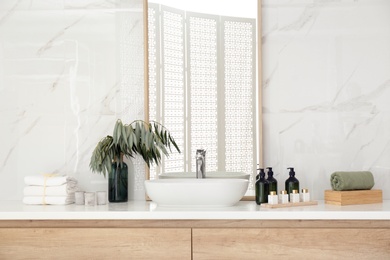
[{"x": 203, "y": 78}]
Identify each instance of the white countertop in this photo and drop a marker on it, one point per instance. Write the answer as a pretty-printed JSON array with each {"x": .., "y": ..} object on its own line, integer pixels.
[{"x": 141, "y": 210}]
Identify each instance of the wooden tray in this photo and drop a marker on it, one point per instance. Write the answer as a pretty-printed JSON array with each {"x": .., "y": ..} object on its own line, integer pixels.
[
  {"x": 286, "y": 205},
  {"x": 353, "y": 197}
]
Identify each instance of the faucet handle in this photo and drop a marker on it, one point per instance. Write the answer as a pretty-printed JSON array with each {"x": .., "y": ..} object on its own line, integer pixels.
[{"x": 201, "y": 152}]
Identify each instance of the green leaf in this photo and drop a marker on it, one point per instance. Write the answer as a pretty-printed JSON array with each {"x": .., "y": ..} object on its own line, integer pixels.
[
  {"x": 150, "y": 140},
  {"x": 174, "y": 143},
  {"x": 118, "y": 131},
  {"x": 162, "y": 148},
  {"x": 156, "y": 131},
  {"x": 126, "y": 132},
  {"x": 158, "y": 156},
  {"x": 138, "y": 135},
  {"x": 143, "y": 135},
  {"x": 114, "y": 134},
  {"x": 130, "y": 140}
]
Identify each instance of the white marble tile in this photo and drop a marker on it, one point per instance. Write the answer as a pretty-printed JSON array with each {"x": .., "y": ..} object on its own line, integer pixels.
[
  {"x": 326, "y": 88},
  {"x": 62, "y": 86}
]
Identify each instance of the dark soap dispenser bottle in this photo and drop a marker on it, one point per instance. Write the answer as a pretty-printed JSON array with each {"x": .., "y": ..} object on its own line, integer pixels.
[
  {"x": 258, "y": 176},
  {"x": 262, "y": 188},
  {"x": 292, "y": 183},
  {"x": 272, "y": 182}
]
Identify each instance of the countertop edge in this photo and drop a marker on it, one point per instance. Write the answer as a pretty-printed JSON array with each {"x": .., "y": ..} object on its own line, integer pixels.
[{"x": 244, "y": 210}]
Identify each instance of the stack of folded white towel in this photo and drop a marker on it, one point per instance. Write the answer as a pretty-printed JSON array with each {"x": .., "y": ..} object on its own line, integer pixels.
[{"x": 49, "y": 189}]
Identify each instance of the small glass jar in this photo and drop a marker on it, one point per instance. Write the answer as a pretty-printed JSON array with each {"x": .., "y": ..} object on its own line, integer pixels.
[
  {"x": 305, "y": 195},
  {"x": 101, "y": 197},
  {"x": 272, "y": 198},
  {"x": 79, "y": 197},
  {"x": 294, "y": 196},
  {"x": 89, "y": 198},
  {"x": 283, "y": 197}
]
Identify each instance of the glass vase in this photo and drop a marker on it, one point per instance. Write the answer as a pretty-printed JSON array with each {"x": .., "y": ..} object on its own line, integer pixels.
[{"x": 118, "y": 182}]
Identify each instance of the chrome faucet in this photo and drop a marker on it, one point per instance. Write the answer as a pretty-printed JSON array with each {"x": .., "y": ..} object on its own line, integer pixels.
[{"x": 200, "y": 164}]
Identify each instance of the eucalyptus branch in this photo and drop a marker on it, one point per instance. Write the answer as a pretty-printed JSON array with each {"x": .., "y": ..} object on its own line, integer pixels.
[{"x": 149, "y": 140}]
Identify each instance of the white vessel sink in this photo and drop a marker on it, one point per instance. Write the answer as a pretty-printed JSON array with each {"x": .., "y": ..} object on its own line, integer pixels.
[
  {"x": 196, "y": 192},
  {"x": 209, "y": 175}
]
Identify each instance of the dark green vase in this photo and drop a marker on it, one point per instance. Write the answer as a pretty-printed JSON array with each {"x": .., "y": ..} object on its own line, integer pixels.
[{"x": 118, "y": 182}]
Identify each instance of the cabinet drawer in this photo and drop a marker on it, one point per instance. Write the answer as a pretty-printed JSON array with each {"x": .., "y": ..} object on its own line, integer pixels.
[
  {"x": 294, "y": 243},
  {"x": 95, "y": 243}
]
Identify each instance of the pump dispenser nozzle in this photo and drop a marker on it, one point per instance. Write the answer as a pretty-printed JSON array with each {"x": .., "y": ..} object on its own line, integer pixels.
[
  {"x": 262, "y": 173},
  {"x": 291, "y": 173},
  {"x": 270, "y": 172}
]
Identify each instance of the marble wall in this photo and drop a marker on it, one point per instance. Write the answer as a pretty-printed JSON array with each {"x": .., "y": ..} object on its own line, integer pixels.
[
  {"x": 68, "y": 70},
  {"x": 326, "y": 89}
]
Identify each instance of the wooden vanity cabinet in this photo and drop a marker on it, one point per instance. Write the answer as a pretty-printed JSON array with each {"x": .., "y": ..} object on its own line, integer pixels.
[
  {"x": 291, "y": 243},
  {"x": 95, "y": 243},
  {"x": 194, "y": 239}
]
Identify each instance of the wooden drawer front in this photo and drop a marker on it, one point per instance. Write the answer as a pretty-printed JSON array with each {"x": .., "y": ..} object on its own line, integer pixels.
[
  {"x": 293, "y": 243},
  {"x": 95, "y": 243}
]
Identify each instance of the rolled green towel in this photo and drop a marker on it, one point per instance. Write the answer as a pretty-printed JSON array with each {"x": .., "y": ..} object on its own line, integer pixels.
[{"x": 361, "y": 180}]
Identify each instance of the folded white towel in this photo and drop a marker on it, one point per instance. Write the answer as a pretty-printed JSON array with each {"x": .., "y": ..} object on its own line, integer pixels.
[
  {"x": 49, "y": 180},
  {"x": 50, "y": 200},
  {"x": 61, "y": 190}
]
